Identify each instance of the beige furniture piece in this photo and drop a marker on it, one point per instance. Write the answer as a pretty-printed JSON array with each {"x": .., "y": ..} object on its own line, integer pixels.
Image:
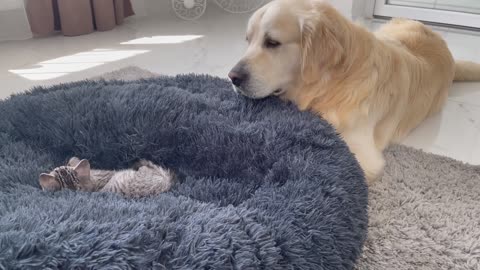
[{"x": 75, "y": 17}]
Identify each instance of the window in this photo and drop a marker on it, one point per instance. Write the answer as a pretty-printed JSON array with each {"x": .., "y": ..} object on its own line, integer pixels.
[{"x": 455, "y": 12}]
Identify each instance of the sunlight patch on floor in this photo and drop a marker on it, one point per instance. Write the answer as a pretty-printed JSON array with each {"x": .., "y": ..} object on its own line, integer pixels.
[
  {"x": 65, "y": 65},
  {"x": 162, "y": 40}
]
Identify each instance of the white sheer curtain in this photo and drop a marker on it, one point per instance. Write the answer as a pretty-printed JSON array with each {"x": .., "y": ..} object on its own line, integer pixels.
[{"x": 13, "y": 21}]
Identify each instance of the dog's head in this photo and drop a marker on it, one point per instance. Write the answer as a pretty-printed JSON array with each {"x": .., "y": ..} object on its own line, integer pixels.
[{"x": 289, "y": 42}]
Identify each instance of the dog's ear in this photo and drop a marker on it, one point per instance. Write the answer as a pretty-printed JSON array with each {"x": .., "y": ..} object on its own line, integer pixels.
[{"x": 320, "y": 41}]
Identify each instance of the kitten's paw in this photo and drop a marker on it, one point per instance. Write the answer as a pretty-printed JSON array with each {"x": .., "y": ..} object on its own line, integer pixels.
[{"x": 142, "y": 163}]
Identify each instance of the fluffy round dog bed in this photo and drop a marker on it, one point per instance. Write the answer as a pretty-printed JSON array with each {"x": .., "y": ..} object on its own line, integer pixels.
[{"x": 261, "y": 185}]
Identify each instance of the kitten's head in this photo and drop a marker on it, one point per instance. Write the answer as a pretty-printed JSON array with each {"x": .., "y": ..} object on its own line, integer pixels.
[{"x": 75, "y": 176}]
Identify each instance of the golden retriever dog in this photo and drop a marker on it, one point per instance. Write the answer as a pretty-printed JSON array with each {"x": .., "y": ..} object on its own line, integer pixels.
[{"x": 374, "y": 88}]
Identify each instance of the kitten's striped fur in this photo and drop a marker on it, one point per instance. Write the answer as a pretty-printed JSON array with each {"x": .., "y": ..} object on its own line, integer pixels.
[
  {"x": 145, "y": 179},
  {"x": 67, "y": 178}
]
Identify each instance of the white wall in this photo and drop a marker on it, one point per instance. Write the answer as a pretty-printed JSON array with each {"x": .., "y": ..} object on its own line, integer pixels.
[
  {"x": 13, "y": 21},
  {"x": 344, "y": 6},
  {"x": 354, "y": 8},
  {"x": 139, "y": 7},
  {"x": 150, "y": 7},
  {"x": 11, "y": 4}
]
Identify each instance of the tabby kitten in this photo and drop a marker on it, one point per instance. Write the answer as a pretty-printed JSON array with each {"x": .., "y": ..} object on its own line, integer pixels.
[{"x": 144, "y": 179}]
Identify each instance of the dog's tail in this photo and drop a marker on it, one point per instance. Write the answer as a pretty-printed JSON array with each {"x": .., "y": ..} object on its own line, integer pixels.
[{"x": 467, "y": 71}]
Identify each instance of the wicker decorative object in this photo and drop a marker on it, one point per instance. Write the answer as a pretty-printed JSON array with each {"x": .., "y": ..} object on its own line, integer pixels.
[{"x": 194, "y": 9}]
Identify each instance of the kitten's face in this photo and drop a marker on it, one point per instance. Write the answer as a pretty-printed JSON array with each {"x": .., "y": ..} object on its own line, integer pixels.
[{"x": 75, "y": 176}]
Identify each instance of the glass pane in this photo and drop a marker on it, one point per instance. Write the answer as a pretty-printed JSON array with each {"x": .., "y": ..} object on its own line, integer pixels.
[
  {"x": 413, "y": 3},
  {"x": 469, "y": 6}
]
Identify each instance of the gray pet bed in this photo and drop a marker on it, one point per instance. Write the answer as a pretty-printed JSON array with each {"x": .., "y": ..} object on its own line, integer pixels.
[{"x": 261, "y": 185}]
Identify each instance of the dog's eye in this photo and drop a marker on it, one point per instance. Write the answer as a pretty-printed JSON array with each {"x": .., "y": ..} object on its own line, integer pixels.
[{"x": 270, "y": 43}]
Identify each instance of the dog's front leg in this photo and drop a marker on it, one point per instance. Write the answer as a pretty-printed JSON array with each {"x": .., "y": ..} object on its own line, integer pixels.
[{"x": 361, "y": 142}]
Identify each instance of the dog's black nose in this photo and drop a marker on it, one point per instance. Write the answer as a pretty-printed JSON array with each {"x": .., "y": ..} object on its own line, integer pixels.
[
  {"x": 236, "y": 78},
  {"x": 238, "y": 75}
]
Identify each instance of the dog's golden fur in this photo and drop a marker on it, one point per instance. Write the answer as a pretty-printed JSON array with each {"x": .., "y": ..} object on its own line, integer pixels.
[{"x": 373, "y": 87}]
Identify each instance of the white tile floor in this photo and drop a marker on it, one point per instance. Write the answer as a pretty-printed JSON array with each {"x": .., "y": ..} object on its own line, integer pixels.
[{"x": 212, "y": 45}]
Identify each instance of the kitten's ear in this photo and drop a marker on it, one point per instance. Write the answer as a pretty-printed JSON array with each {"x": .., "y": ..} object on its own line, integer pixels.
[
  {"x": 73, "y": 162},
  {"x": 83, "y": 168},
  {"x": 48, "y": 182}
]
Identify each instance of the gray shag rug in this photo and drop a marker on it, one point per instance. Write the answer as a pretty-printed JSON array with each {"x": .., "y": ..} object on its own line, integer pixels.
[
  {"x": 424, "y": 213},
  {"x": 260, "y": 185}
]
